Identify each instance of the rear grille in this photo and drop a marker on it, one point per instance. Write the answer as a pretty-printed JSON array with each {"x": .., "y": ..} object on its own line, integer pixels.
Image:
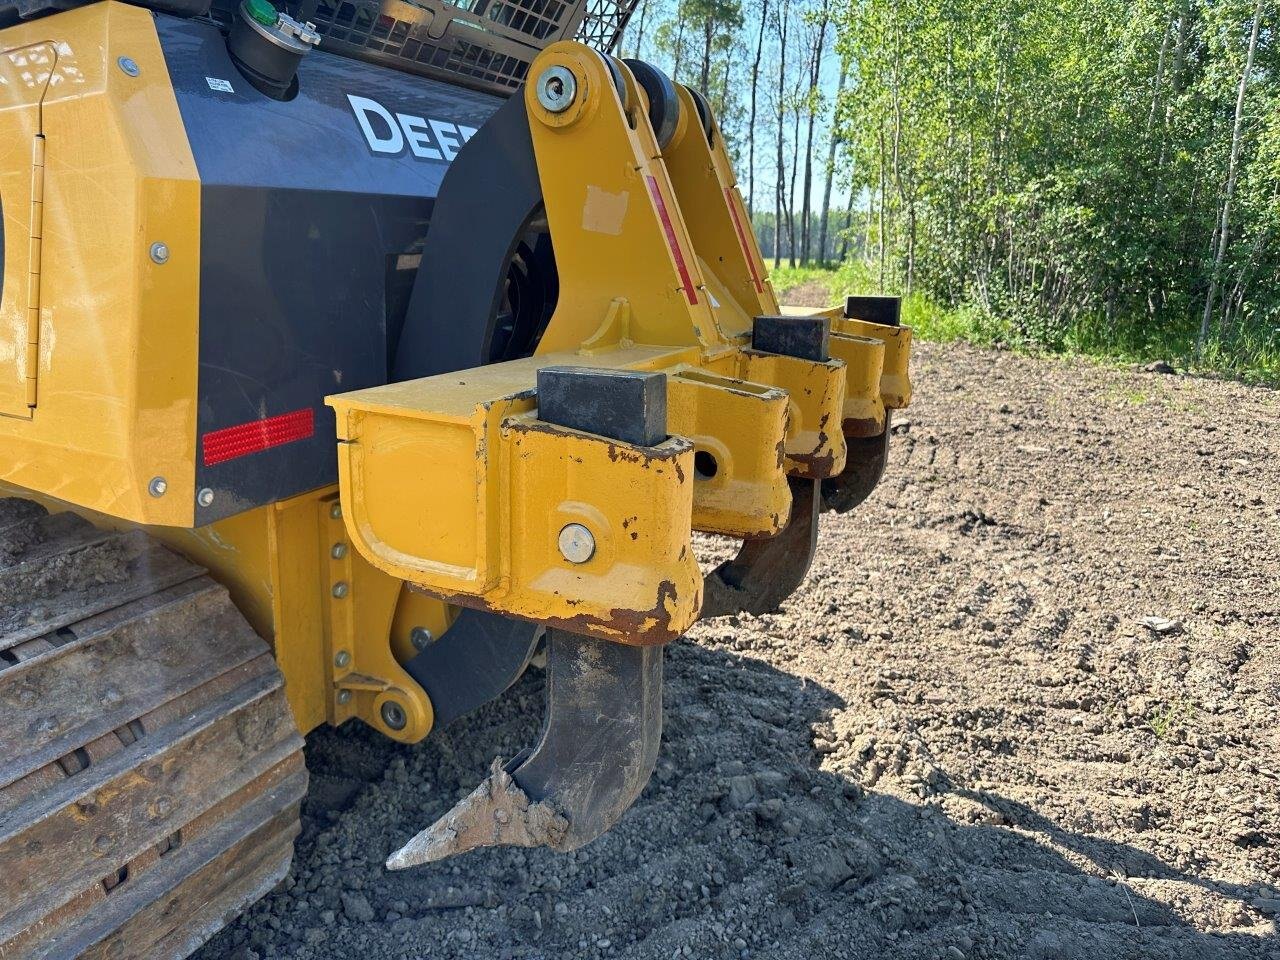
[{"x": 486, "y": 44}]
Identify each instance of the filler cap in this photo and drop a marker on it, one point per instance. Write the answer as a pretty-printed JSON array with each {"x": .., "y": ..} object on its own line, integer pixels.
[{"x": 263, "y": 11}]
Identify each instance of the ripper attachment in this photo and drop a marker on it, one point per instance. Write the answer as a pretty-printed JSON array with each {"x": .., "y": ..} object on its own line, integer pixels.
[
  {"x": 605, "y": 373},
  {"x": 603, "y": 720}
]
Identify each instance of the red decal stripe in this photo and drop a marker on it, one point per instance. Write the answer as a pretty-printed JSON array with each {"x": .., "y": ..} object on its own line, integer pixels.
[
  {"x": 232, "y": 442},
  {"x": 669, "y": 229},
  {"x": 742, "y": 239}
]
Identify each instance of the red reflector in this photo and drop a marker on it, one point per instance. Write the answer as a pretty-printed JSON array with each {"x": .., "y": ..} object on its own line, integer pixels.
[
  {"x": 231, "y": 442},
  {"x": 742, "y": 239},
  {"x": 672, "y": 243}
]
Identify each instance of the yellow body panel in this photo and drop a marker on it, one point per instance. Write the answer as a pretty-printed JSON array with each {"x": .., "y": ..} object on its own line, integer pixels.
[{"x": 113, "y": 372}]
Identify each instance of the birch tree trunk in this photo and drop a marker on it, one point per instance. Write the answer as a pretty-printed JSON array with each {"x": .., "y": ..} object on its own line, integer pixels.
[
  {"x": 832, "y": 144},
  {"x": 1224, "y": 222},
  {"x": 751, "y": 125}
]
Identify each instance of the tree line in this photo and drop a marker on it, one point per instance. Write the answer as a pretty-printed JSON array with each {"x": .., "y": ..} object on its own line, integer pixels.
[{"x": 1105, "y": 169}]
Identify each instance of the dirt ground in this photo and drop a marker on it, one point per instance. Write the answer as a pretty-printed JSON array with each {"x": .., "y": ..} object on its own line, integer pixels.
[{"x": 956, "y": 741}]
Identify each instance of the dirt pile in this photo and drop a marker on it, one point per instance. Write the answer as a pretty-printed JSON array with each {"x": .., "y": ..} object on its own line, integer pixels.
[{"x": 957, "y": 741}]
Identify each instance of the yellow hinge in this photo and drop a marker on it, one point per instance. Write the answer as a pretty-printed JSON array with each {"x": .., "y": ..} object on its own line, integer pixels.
[{"x": 35, "y": 248}]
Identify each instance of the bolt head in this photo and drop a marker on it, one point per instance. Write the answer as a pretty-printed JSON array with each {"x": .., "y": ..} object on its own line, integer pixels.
[
  {"x": 421, "y": 638},
  {"x": 393, "y": 715},
  {"x": 557, "y": 89},
  {"x": 335, "y": 511},
  {"x": 128, "y": 66},
  {"x": 158, "y": 486},
  {"x": 344, "y": 697},
  {"x": 205, "y": 497},
  {"x": 160, "y": 252},
  {"x": 577, "y": 545},
  {"x": 342, "y": 660},
  {"x": 338, "y": 551},
  {"x": 340, "y": 589}
]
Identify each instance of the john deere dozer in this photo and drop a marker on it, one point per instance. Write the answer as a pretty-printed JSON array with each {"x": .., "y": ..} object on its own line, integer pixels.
[{"x": 349, "y": 353}]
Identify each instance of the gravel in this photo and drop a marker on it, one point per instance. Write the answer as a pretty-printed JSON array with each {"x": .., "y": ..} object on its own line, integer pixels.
[{"x": 957, "y": 740}]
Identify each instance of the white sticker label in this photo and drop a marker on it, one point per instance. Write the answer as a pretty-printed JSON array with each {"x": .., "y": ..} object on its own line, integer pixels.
[{"x": 217, "y": 83}]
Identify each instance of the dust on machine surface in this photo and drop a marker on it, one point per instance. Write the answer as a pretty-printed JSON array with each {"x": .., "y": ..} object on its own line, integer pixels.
[{"x": 349, "y": 352}]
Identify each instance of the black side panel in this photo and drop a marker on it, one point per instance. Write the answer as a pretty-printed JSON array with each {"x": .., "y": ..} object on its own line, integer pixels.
[{"x": 311, "y": 227}]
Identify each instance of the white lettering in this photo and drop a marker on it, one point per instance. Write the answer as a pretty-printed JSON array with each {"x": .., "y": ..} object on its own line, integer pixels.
[
  {"x": 390, "y": 133},
  {"x": 392, "y": 141},
  {"x": 447, "y": 136},
  {"x": 415, "y": 132}
]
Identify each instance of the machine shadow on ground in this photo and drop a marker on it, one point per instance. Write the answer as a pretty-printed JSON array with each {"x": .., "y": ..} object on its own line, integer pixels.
[{"x": 742, "y": 845}]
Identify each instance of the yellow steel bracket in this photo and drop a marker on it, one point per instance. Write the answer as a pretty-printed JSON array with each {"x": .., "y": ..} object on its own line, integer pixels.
[
  {"x": 452, "y": 483},
  {"x": 365, "y": 676},
  {"x": 815, "y": 446},
  {"x": 631, "y": 270},
  {"x": 863, "y": 412},
  {"x": 707, "y": 189},
  {"x": 895, "y": 374},
  {"x": 739, "y": 431},
  {"x": 895, "y": 379},
  {"x": 618, "y": 229}
]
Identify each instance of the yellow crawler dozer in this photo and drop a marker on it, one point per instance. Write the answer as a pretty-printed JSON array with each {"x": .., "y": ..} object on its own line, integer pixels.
[{"x": 346, "y": 361}]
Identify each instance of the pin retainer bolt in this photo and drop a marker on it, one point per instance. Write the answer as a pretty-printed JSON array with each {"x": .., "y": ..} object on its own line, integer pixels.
[
  {"x": 557, "y": 89},
  {"x": 160, "y": 252},
  {"x": 577, "y": 545},
  {"x": 158, "y": 486},
  {"x": 128, "y": 66},
  {"x": 421, "y": 638}
]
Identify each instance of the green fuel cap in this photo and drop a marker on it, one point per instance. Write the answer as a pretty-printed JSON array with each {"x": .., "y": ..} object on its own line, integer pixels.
[{"x": 263, "y": 11}]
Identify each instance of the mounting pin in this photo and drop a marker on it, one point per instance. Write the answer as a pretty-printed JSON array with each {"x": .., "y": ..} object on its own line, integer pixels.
[{"x": 393, "y": 715}]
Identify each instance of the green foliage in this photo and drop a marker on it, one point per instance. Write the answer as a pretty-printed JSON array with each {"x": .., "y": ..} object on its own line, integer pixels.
[
  {"x": 1246, "y": 357},
  {"x": 1057, "y": 169}
]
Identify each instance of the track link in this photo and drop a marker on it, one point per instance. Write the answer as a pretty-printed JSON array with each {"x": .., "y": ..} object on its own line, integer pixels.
[{"x": 150, "y": 770}]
